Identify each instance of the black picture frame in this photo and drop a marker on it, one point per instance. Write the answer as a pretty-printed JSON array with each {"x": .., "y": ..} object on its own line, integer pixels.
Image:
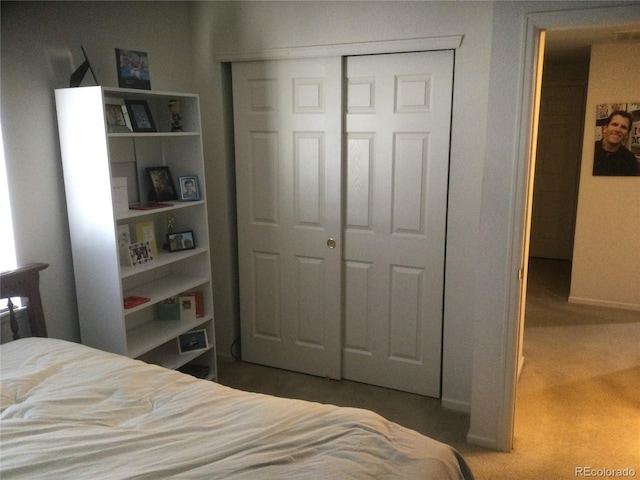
[
  {"x": 194, "y": 341},
  {"x": 140, "y": 116},
  {"x": 179, "y": 241},
  {"x": 133, "y": 69},
  {"x": 162, "y": 188},
  {"x": 189, "y": 188}
]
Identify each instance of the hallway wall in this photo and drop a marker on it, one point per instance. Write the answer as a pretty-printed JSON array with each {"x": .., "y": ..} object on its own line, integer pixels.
[{"x": 606, "y": 264}]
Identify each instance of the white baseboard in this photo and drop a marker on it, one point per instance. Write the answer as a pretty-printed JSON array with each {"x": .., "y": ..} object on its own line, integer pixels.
[
  {"x": 484, "y": 442},
  {"x": 604, "y": 303},
  {"x": 456, "y": 405}
]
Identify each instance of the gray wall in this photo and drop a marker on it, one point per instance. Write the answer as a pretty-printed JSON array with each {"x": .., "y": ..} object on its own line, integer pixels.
[{"x": 606, "y": 260}]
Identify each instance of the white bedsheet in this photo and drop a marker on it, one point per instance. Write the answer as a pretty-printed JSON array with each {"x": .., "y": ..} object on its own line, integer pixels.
[{"x": 69, "y": 411}]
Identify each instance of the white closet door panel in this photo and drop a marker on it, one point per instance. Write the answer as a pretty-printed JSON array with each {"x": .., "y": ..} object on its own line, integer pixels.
[
  {"x": 288, "y": 146},
  {"x": 397, "y": 134}
]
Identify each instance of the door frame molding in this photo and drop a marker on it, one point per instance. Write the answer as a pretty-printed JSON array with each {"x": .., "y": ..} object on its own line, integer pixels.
[{"x": 449, "y": 42}]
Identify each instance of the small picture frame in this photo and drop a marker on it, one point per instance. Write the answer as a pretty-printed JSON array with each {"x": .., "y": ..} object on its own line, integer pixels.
[
  {"x": 140, "y": 253},
  {"x": 162, "y": 189},
  {"x": 140, "y": 116},
  {"x": 194, "y": 341},
  {"x": 189, "y": 188},
  {"x": 179, "y": 241},
  {"x": 133, "y": 69},
  {"x": 116, "y": 119}
]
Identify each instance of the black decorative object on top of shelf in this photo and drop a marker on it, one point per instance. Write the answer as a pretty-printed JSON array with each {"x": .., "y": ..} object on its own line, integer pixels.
[
  {"x": 76, "y": 77},
  {"x": 162, "y": 189},
  {"x": 133, "y": 69},
  {"x": 140, "y": 116}
]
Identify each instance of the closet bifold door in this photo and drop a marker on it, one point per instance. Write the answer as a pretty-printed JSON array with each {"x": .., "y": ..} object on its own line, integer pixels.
[
  {"x": 391, "y": 242},
  {"x": 397, "y": 155},
  {"x": 288, "y": 127}
]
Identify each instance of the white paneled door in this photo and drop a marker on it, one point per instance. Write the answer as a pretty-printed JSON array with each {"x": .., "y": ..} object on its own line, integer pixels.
[
  {"x": 387, "y": 216},
  {"x": 287, "y": 117},
  {"x": 397, "y": 144}
]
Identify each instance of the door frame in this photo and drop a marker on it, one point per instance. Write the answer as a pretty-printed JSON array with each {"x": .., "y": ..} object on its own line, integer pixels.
[{"x": 425, "y": 44}]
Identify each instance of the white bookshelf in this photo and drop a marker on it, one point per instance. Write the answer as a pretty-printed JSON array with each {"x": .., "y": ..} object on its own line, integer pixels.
[{"x": 92, "y": 155}]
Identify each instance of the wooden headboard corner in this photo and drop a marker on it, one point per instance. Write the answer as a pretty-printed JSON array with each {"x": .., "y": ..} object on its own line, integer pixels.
[{"x": 24, "y": 282}]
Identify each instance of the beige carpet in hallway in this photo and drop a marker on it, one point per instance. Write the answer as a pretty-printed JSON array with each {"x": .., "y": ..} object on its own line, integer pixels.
[{"x": 578, "y": 399}]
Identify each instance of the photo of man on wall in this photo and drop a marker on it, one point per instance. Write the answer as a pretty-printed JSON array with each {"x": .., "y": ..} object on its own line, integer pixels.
[{"x": 617, "y": 148}]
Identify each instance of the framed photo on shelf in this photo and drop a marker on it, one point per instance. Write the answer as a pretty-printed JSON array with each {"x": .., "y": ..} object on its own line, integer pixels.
[
  {"x": 194, "y": 341},
  {"x": 176, "y": 242},
  {"x": 140, "y": 116},
  {"x": 116, "y": 120},
  {"x": 140, "y": 253},
  {"x": 162, "y": 184},
  {"x": 133, "y": 69},
  {"x": 189, "y": 188}
]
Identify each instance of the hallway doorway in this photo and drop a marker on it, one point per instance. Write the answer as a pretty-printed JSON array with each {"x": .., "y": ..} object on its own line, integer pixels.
[{"x": 550, "y": 265}]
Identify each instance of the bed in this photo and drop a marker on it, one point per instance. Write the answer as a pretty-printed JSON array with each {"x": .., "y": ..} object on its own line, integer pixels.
[{"x": 71, "y": 411}]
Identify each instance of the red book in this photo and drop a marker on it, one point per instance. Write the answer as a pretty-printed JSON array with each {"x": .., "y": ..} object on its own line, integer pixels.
[{"x": 133, "y": 301}]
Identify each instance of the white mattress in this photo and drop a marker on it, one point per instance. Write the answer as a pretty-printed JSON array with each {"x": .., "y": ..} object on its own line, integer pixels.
[{"x": 69, "y": 411}]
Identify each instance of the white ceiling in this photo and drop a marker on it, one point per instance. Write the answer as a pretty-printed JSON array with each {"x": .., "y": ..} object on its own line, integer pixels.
[{"x": 574, "y": 45}]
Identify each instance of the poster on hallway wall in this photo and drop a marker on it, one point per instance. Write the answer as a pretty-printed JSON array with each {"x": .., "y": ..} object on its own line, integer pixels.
[{"x": 617, "y": 148}]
